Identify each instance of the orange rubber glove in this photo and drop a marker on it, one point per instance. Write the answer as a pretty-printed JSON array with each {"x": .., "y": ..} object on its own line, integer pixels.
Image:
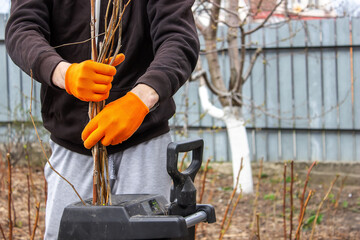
[
  {"x": 116, "y": 122},
  {"x": 91, "y": 81}
]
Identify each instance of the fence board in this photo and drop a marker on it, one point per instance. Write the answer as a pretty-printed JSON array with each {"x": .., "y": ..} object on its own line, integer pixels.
[
  {"x": 330, "y": 89},
  {"x": 3, "y": 84},
  {"x": 258, "y": 95},
  {"x": 355, "y": 31},
  {"x": 3, "y": 19},
  {"x": 343, "y": 31},
  {"x": 272, "y": 90},
  {"x": 315, "y": 90},
  {"x": 272, "y": 146},
  {"x": 300, "y": 89},
  {"x": 287, "y": 145},
  {"x": 270, "y": 40},
  {"x": 332, "y": 147},
  {"x": 347, "y": 146},
  {"x": 297, "y": 34},
  {"x": 285, "y": 84},
  {"x": 344, "y": 90},
  {"x": 328, "y": 32},
  {"x": 316, "y": 146},
  {"x": 302, "y": 146},
  {"x": 356, "y": 58},
  {"x": 247, "y": 92}
]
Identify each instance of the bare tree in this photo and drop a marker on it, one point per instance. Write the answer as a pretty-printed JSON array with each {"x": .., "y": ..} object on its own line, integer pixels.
[{"x": 234, "y": 14}]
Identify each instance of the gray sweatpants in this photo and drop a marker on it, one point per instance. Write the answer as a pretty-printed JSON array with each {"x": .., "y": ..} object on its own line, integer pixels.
[{"x": 140, "y": 169}]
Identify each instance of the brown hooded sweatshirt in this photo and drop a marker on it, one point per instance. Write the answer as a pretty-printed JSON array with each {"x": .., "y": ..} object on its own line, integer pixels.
[{"x": 159, "y": 40}]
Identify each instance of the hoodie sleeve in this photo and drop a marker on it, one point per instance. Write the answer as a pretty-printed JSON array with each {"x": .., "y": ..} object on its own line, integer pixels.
[
  {"x": 175, "y": 46},
  {"x": 27, "y": 37}
]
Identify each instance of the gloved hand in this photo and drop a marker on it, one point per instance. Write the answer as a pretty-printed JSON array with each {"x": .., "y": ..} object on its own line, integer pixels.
[
  {"x": 91, "y": 81},
  {"x": 116, "y": 122}
]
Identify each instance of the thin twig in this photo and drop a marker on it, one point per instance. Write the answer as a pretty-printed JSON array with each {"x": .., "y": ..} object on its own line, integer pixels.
[
  {"x": 291, "y": 199},
  {"x": 13, "y": 212},
  {"x": 203, "y": 180},
  {"x": 257, "y": 193},
  {"x": 258, "y": 226},
  {"x": 9, "y": 197},
  {"x": 36, "y": 221},
  {"x": 265, "y": 20},
  {"x": 320, "y": 205},
  {"x": 182, "y": 162},
  {"x": 2, "y": 171},
  {"x": 233, "y": 211},
  {"x": 284, "y": 202},
  {"x": 304, "y": 190},
  {"x": 28, "y": 204},
  {"x": 2, "y": 232},
  {"x": 222, "y": 232},
  {"x": 42, "y": 146},
  {"x": 92, "y": 27},
  {"x": 297, "y": 235},
  {"x": 339, "y": 193},
  {"x": 94, "y": 57}
]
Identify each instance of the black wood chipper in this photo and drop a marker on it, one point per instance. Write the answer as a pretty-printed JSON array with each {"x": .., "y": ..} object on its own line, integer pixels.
[{"x": 143, "y": 216}]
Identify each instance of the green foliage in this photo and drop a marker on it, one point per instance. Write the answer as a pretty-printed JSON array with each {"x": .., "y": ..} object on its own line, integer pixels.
[
  {"x": 227, "y": 188},
  {"x": 270, "y": 196},
  {"x": 345, "y": 204},
  {"x": 19, "y": 224},
  {"x": 331, "y": 198},
  {"x": 309, "y": 222},
  {"x": 264, "y": 175},
  {"x": 288, "y": 179}
]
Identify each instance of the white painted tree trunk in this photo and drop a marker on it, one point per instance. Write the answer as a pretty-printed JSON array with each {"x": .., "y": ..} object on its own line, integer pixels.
[
  {"x": 239, "y": 150},
  {"x": 237, "y": 137}
]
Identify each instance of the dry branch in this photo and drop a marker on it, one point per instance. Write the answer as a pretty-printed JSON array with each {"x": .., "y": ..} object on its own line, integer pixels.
[
  {"x": 28, "y": 203},
  {"x": 320, "y": 205},
  {"x": 182, "y": 162},
  {"x": 222, "y": 231},
  {"x": 302, "y": 214},
  {"x": 339, "y": 193},
  {"x": 291, "y": 199},
  {"x": 2, "y": 232},
  {"x": 203, "y": 180},
  {"x": 101, "y": 186},
  {"x": 9, "y": 197},
  {"x": 304, "y": 190},
  {"x": 233, "y": 210},
  {"x": 258, "y": 226},
  {"x": 42, "y": 146},
  {"x": 36, "y": 221},
  {"x": 284, "y": 202},
  {"x": 257, "y": 193}
]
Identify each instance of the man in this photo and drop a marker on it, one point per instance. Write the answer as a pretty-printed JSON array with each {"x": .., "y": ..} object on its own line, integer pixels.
[{"x": 159, "y": 40}]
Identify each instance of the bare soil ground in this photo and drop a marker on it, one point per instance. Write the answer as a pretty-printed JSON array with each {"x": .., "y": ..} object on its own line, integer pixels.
[{"x": 342, "y": 222}]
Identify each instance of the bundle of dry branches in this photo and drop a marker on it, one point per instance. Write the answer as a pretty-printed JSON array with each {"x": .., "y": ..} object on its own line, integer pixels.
[{"x": 108, "y": 49}]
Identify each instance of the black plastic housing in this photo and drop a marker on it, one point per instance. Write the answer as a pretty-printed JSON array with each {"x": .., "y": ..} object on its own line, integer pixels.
[{"x": 143, "y": 216}]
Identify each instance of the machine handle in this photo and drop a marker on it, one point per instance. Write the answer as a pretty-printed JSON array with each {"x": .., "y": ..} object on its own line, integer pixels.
[
  {"x": 195, "y": 218},
  {"x": 173, "y": 150}
]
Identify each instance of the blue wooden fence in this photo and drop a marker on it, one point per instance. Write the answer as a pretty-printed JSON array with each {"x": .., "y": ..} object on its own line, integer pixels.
[{"x": 302, "y": 100}]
